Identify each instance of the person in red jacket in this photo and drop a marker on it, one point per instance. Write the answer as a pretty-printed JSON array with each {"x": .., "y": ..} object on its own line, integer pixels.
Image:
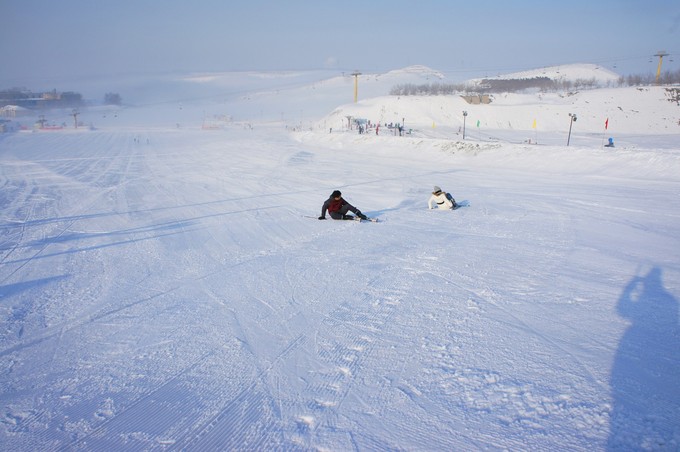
[{"x": 337, "y": 208}]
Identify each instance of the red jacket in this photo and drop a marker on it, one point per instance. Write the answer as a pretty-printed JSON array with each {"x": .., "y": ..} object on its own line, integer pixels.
[{"x": 336, "y": 204}]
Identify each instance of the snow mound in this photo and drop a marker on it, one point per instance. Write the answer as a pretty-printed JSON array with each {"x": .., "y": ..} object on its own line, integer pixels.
[
  {"x": 418, "y": 70},
  {"x": 569, "y": 72}
]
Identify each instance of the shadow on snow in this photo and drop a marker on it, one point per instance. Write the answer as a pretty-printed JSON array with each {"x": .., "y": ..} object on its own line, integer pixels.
[{"x": 645, "y": 378}]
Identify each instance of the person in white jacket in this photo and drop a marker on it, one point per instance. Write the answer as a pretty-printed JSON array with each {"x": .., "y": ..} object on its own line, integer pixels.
[{"x": 441, "y": 200}]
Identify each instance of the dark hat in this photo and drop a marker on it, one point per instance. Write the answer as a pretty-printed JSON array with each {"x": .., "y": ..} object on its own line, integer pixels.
[{"x": 335, "y": 194}]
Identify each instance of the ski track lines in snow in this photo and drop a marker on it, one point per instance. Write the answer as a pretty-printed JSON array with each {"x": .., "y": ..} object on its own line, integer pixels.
[
  {"x": 166, "y": 292},
  {"x": 100, "y": 171}
]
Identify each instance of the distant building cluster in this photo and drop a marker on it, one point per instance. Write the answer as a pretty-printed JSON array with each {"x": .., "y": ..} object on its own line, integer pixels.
[{"x": 14, "y": 101}]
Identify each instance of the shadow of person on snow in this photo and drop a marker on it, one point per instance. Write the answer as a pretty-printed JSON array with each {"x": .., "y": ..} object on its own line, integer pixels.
[{"x": 645, "y": 378}]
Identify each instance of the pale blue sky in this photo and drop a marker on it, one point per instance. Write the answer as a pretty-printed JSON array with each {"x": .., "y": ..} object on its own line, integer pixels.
[{"x": 44, "y": 40}]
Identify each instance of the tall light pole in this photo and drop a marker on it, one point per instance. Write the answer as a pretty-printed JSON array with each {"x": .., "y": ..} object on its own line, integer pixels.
[
  {"x": 464, "y": 117},
  {"x": 659, "y": 54},
  {"x": 75, "y": 114},
  {"x": 572, "y": 120},
  {"x": 356, "y": 75}
]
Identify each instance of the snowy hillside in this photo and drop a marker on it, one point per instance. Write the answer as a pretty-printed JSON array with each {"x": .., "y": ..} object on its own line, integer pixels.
[
  {"x": 570, "y": 72},
  {"x": 631, "y": 111},
  {"x": 168, "y": 286},
  {"x": 543, "y": 117}
]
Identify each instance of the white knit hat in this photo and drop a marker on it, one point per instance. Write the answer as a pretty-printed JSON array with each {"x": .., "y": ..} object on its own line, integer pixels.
[{"x": 436, "y": 189}]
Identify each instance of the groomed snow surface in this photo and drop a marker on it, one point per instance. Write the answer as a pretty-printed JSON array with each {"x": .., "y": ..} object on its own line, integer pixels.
[{"x": 172, "y": 289}]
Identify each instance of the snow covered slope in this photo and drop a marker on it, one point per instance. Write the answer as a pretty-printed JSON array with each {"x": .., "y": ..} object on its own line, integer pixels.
[{"x": 167, "y": 287}]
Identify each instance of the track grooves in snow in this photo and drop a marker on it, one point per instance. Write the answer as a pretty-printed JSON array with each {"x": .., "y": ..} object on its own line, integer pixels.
[
  {"x": 158, "y": 409},
  {"x": 347, "y": 341},
  {"x": 171, "y": 294},
  {"x": 247, "y": 421},
  {"x": 59, "y": 330}
]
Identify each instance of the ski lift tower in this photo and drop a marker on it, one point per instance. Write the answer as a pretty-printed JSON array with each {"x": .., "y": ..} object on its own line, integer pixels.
[
  {"x": 356, "y": 75},
  {"x": 659, "y": 54}
]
